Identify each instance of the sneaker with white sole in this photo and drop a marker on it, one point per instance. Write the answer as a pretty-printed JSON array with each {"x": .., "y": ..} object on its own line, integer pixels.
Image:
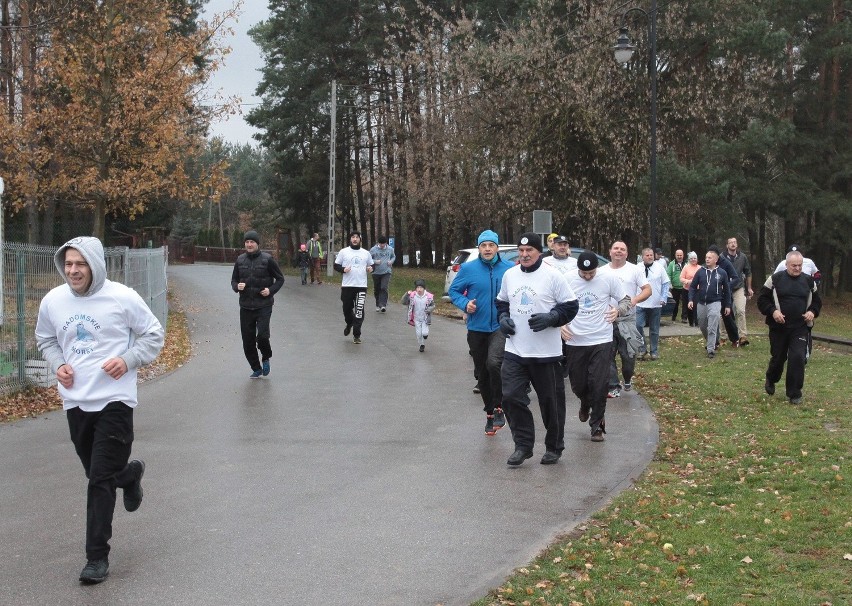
[{"x": 615, "y": 392}]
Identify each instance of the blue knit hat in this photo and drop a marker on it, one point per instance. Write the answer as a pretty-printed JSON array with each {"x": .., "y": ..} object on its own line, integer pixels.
[{"x": 487, "y": 236}]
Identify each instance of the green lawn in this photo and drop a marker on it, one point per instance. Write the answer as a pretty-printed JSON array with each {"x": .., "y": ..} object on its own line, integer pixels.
[{"x": 746, "y": 503}]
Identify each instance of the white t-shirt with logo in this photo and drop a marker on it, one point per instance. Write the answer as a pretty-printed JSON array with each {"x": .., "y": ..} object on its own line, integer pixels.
[
  {"x": 531, "y": 293},
  {"x": 589, "y": 326},
  {"x": 358, "y": 260},
  {"x": 565, "y": 266}
]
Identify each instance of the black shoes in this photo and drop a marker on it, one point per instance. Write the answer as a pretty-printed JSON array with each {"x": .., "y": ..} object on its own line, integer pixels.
[
  {"x": 95, "y": 571},
  {"x": 519, "y": 456},
  {"x": 422, "y": 348},
  {"x": 795, "y": 400},
  {"x": 133, "y": 493},
  {"x": 550, "y": 457},
  {"x": 769, "y": 387},
  {"x": 583, "y": 414},
  {"x": 476, "y": 389},
  {"x": 597, "y": 436},
  {"x": 489, "y": 425},
  {"x": 499, "y": 418},
  {"x": 265, "y": 368},
  {"x": 347, "y": 330}
]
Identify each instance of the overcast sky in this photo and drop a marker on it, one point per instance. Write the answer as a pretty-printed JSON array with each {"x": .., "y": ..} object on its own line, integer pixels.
[{"x": 239, "y": 76}]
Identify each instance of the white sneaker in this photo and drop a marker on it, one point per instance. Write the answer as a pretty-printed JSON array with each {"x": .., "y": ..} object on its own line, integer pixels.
[{"x": 378, "y": 309}]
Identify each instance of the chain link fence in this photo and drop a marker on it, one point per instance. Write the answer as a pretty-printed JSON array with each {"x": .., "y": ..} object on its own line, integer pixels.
[{"x": 28, "y": 273}]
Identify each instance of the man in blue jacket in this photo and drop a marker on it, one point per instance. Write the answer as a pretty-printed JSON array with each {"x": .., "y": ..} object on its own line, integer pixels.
[{"x": 474, "y": 292}]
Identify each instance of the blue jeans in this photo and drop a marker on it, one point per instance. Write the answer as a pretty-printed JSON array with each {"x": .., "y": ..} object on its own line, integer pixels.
[{"x": 653, "y": 316}]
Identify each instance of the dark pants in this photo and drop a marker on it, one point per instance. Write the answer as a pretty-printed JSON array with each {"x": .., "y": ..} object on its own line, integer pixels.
[
  {"x": 254, "y": 328},
  {"x": 315, "y": 270},
  {"x": 588, "y": 368},
  {"x": 680, "y": 295},
  {"x": 628, "y": 364},
  {"x": 546, "y": 378},
  {"x": 353, "y": 298},
  {"x": 731, "y": 325},
  {"x": 788, "y": 345},
  {"x": 380, "y": 289},
  {"x": 486, "y": 348},
  {"x": 304, "y": 272},
  {"x": 102, "y": 440}
]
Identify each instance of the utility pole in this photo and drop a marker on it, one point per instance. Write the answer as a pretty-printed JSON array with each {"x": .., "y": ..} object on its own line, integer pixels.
[{"x": 332, "y": 154}]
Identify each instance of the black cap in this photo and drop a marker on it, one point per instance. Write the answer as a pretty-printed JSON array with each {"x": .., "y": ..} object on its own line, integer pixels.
[
  {"x": 419, "y": 282},
  {"x": 530, "y": 239},
  {"x": 587, "y": 261},
  {"x": 252, "y": 235},
  {"x": 794, "y": 248},
  {"x": 658, "y": 251},
  {"x": 560, "y": 239}
]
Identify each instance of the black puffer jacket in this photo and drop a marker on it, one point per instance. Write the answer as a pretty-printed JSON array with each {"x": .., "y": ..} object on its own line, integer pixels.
[{"x": 258, "y": 270}]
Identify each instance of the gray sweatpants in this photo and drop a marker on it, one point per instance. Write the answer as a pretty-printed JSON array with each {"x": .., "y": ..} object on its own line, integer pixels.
[{"x": 709, "y": 315}]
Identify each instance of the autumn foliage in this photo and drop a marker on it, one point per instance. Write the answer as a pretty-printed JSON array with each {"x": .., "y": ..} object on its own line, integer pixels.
[{"x": 108, "y": 115}]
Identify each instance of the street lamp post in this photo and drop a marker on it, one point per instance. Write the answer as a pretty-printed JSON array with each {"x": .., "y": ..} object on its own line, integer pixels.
[{"x": 623, "y": 53}]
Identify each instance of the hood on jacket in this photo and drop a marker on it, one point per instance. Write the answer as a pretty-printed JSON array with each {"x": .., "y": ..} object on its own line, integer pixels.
[{"x": 93, "y": 252}]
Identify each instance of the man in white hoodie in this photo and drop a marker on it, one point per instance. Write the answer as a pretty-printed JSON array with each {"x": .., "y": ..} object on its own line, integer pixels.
[{"x": 95, "y": 334}]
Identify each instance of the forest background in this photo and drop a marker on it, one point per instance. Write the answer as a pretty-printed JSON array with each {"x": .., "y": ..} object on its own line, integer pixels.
[{"x": 451, "y": 117}]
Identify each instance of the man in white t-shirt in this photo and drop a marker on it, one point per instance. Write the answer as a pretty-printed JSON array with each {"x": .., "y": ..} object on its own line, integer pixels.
[
  {"x": 652, "y": 308},
  {"x": 589, "y": 338},
  {"x": 561, "y": 259},
  {"x": 637, "y": 288},
  {"x": 533, "y": 302},
  {"x": 354, "y": 263}
]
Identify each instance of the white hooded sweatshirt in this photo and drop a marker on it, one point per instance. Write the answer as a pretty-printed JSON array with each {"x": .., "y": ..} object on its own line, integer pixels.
[{"x": 85, "y": 330}]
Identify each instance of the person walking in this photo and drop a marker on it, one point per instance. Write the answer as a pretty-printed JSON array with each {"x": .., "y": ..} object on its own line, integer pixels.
[
  {"x": 560, "y": 257},
  {"x": 808, "y": 266},
  {"x": 354, "y": 263},
  {"x": 256, "y": 277},
  {"x": 729, "y": 320},
  {"x": 626, "y": 339},
  {"x": 421, "y": 304},
  {"x": 534, "y": 301},
  {"x": 741, "y": 289},
  {"x": 474, "y": 291},
  {"x": 589, "y": 338},
  {"x": 686, "y": 275},
  {"x": 315, "y": 252},
  {"x": 95, "y": 334},
  {"x": 790, "y": 301},
  {"x": 673, "y": 270},
  {"x": 303, "y": 262},
  {"x": 710, "y": 294},
  {"x": 651, "y": 308},
  {"x": 383, "y": 258}
]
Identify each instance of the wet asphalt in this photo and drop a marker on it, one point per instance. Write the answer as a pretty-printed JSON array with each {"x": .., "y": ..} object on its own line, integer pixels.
[{"x": 353, "y": 474}]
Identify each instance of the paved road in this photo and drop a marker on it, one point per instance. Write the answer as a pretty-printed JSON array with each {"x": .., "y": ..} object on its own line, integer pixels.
[{"x": 351, "y": 475}]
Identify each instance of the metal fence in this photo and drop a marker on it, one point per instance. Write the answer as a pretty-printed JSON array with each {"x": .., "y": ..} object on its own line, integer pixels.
[{"x": 27, "y": 273}]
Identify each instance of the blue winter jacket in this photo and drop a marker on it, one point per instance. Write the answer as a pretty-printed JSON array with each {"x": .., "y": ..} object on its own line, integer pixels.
[{"x": 481, "y": 281}]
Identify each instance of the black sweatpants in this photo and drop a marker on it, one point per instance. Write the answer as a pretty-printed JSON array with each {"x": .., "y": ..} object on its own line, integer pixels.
[
  {"x": 788, "y": 345},
  {"x": 353, "y": 298},
  {"x": 680, "y": 295},
  {"x": 103, "y": 441},
  {"x": 588, "y": 369},
  {"x": 487, "y": 348},
  {"x": 546, "y": 379},
  {"x": 254, "y": 328}
]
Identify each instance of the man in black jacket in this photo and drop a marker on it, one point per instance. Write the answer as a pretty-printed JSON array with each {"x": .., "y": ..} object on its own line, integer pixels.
[
  {"x": 790, "y": 301},
  {"x": 256, "y": 278}
]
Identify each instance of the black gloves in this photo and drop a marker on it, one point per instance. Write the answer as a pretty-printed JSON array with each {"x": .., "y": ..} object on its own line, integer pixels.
[
  {"x": 539, "y": 322},
  {"x": 507, "y": 325}
]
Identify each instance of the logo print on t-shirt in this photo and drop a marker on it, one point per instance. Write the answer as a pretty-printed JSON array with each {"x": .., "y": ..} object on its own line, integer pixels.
[{"x": 85, "y": 342}]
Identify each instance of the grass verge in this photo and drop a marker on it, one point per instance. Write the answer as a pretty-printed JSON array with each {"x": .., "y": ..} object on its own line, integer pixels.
[{"x": 746, "y": 502}]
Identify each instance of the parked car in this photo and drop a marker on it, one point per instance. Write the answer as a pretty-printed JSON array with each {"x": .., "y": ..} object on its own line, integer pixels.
[{"x": 508, "y": 252}]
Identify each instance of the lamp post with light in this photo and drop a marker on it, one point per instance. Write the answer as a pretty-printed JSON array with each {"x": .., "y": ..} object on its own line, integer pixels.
[{"x": 623, "y": 51}]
